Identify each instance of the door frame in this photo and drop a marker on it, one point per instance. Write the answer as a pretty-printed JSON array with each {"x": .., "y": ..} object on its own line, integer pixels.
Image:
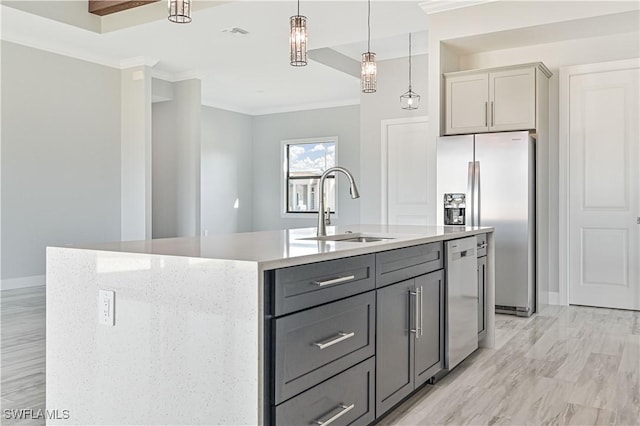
[
  {"x": 384, "y": 155},
  {"x": 564, "y": 158}
]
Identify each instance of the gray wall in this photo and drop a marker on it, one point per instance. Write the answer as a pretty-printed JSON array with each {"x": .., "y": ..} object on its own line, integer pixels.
[
  {"x": 268, "y": 133},
  {"x": 384, "y": 104},
  {"x": 226, "y": 172},
  {"x": 60, "y": 156},
  {"x": 176, "y": 128}
]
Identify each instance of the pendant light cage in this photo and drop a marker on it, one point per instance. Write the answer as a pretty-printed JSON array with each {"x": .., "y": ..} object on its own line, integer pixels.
[
  {"x": 410, "y": 99},
  {"x": 180, "y": 11},
  {"x": 369, "y": 72},
  {"x": 298, "y": 40},
  {"x": 369, "y": 69}
]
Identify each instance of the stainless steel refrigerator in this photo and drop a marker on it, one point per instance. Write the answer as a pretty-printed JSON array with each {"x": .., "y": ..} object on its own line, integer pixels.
[{"x": 496, "y": 173}]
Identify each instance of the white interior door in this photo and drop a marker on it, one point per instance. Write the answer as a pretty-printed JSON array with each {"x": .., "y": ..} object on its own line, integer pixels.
[
  {"x": 604, "y": 188},
  {"x": 405, "y": 172}
]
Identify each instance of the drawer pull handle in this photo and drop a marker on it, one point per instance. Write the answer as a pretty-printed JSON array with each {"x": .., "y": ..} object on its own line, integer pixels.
[
  {"x": 345, "y": 410},
  {"x": 335, "y": 281},
  {"x": 482, "y": 246},
  {"x": 330, "y": 342}
]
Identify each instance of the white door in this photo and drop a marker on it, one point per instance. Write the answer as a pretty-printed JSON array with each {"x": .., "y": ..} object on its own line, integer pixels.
[
  {"x": 604, "y": 188},
  {"x": 406, "y": 183}
]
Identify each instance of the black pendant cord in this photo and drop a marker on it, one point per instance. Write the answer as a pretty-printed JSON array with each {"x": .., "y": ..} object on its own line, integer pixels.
[
  {"x": 409, "y": 62},
  {"x": 369, "y": 27},
  {"x": 298, "y": 7}
]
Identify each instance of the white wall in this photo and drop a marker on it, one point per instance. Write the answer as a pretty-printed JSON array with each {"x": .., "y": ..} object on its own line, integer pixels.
[
  {"x": 60, "y": 157},
  {"x": 176, "y": 162},
  {"x": 382, "y": 105},
  {"x": 226, "y": 172},
  {"x": 268, "y": 133}
]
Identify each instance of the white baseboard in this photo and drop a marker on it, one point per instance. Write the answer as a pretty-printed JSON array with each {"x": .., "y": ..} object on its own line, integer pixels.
[
  {"x": 554, "y": 298},
  {"x": 23, "y": 282}
]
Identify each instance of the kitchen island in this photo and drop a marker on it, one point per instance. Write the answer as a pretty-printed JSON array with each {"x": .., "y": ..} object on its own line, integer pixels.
[{"x": 187, "y": 338}]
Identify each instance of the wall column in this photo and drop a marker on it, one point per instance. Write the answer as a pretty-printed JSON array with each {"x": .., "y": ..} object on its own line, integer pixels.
[{"x": 136, "y": 153}]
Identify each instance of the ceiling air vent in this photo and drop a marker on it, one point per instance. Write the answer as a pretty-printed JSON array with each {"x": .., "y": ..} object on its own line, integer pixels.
[{"x": 235, "y": 30}]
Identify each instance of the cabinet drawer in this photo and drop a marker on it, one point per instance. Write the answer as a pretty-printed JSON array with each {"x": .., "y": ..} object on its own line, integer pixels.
[
  {"x": 300, "y": 287},
  {"x": 482, "y": 244},
  {"x": 398, "y": 265},
  {"x": 318, "y": 343},
  {"x": 346, "y": 398}
]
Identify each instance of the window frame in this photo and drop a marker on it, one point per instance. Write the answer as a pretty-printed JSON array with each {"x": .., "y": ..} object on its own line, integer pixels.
[{"x": 284, "y": 179}]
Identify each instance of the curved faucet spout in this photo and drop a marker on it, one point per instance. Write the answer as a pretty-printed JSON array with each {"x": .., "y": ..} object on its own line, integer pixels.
[{"x": 353, "y": 189}]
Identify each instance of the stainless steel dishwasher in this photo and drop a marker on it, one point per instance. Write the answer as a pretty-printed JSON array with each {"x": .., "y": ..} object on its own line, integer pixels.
[{"x": 462, "y": 300}]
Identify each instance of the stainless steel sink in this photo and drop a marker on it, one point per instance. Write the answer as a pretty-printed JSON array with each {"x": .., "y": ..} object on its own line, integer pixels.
[
  {"x": 363, "y": 239},
  {"x": 351, "y": 238}
]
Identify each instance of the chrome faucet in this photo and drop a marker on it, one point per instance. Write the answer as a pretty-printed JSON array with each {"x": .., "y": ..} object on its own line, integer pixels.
[{"x": 353, "y": 189}]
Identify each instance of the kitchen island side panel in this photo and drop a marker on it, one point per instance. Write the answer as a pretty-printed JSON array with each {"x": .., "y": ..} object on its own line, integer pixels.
[{"x": 184, "y": 348}]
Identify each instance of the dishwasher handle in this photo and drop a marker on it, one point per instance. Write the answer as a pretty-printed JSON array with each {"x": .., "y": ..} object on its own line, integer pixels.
[{"x": 456, "y": 255}]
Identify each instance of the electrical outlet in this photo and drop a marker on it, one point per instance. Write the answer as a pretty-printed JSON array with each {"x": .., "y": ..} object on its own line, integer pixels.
[{"x": 106, "y": 307}]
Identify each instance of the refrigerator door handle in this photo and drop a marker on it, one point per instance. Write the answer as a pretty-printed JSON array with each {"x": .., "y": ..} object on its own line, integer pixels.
[
  {"x": 476, "y": 194},
  {"x": 470, "y": 194}
]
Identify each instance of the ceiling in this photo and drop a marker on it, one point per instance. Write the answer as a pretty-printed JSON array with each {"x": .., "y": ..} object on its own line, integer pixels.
[{"x": 245, "y": 73}]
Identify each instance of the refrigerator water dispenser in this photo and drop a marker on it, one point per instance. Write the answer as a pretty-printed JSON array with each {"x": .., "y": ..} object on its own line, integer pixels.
[{"x": 454, "y": 209}]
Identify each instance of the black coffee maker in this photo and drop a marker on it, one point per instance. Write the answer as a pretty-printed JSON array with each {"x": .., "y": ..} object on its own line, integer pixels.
[{"x": 454, "y": 209}]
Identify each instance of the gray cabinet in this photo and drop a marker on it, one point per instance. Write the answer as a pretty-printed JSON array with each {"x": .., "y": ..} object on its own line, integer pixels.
[
  {"x": 315, "y": 344},
  {"x": 410, "y": 331},
  {"x": 393, "y": 266},
  {"x": 429, "y": 343},
  {"x": 346, "y": 399},
  {"x": 304, "y": 286},
  {"x": 347, "y": 339}
]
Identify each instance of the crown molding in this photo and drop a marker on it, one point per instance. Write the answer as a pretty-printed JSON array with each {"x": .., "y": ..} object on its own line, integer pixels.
[
  {"x": 437, "y": 6},
  {"x": 280, "y": 109},
  {"x": 138, "y": 61},
  {"x": 174, "y": 77},
  {"x": 58, "y": 50}
]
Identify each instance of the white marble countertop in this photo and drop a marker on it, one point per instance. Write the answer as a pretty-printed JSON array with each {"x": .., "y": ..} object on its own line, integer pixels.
[{"x": 282, "y": 248}]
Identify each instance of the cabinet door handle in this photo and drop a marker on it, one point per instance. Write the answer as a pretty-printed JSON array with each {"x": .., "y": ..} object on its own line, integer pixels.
[
  {"x": 335, "y": 281},
  {"x": 486, "y": 114},
  {"x": 420, "y": 293},
  {"x": 345, "y": 410},
  {"x": 332, "y": 341},
  {"x": 414, "y": 328},
  {"x": 482, "y": 246},
  {"x": 493, "y": 111}
]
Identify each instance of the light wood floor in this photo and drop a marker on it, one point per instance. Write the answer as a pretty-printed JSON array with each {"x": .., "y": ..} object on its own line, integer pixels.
[
  {"x": 22, "y": 356},
  {"x": 564, "y": 366}
]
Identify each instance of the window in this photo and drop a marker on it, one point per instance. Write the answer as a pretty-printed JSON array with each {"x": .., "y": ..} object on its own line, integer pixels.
[{"x": 305, "y": 161}]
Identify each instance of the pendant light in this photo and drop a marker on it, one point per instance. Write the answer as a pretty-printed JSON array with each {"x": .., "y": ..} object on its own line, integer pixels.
[
  {"x": 368, "y": 68},
  {"x": 298, "y": 39},
  {"x": 410, "y": 99},
  {"x": 180, "y": 11}
]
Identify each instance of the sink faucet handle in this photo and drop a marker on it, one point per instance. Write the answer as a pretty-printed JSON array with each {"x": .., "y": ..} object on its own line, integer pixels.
[{"x": 327, "y": 216}]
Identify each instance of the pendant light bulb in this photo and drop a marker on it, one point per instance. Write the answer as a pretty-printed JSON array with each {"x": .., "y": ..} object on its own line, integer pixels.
[
  {"x": 298, "y": 39},
  {"x": 369, "y": 69},
  {"x": 410, "y": 99},
  {"x": 180, "y": 11}
]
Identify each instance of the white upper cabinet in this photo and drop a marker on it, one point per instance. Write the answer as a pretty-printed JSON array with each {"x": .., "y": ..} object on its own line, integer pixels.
[
  {"x": 496, "y": 100},
  {"x": 467, "y": 103}
]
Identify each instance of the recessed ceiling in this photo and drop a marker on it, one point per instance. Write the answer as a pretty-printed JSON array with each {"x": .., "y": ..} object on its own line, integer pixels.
[{"x": 248, "y": 73}]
